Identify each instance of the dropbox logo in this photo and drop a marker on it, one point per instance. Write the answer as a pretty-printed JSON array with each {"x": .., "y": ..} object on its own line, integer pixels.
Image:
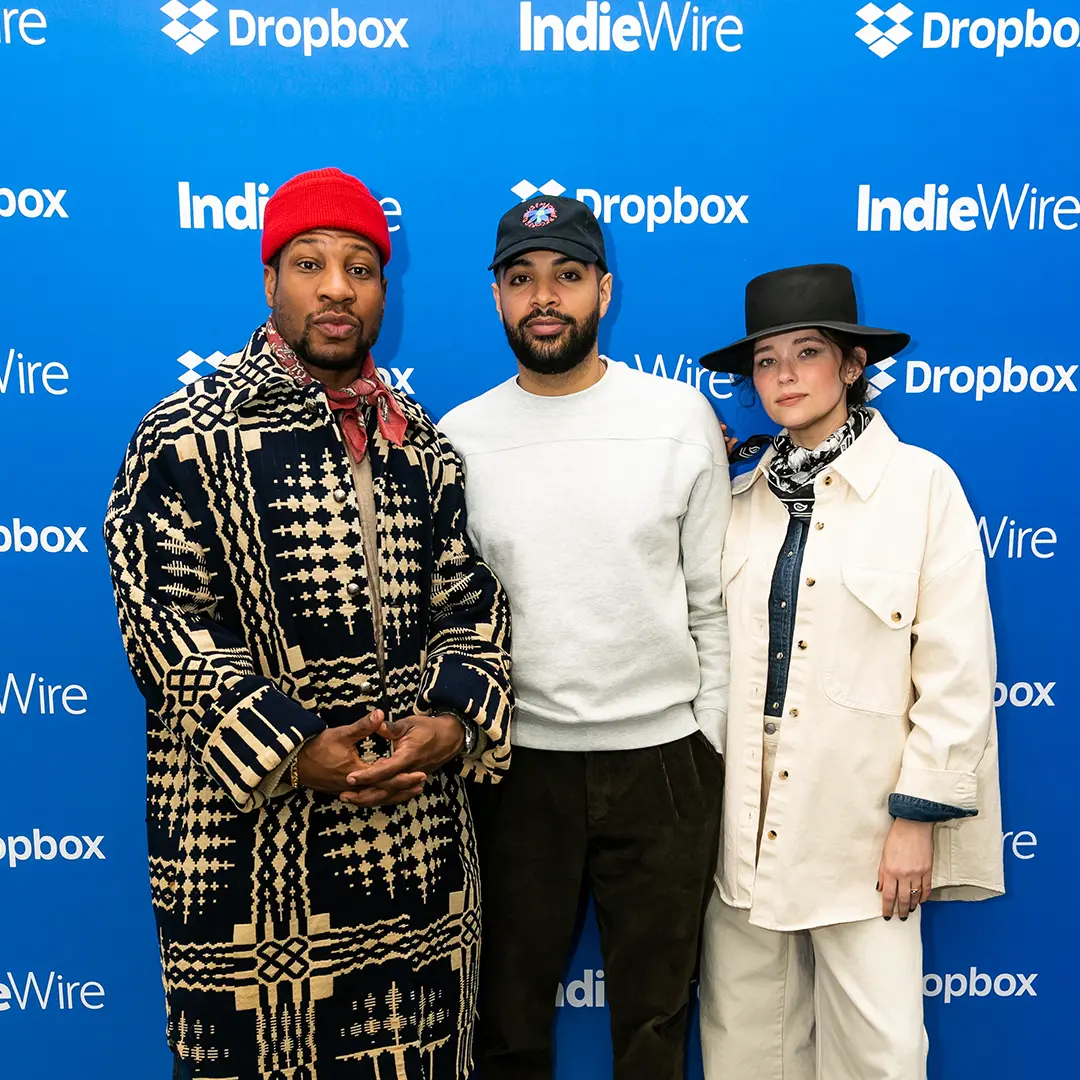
[
  {"x": 677, "y": 207},
  {"x": 877, "y": 375},
  {"x": 189, "y": 27},
  {"x": 41, "y": 847},
  {"x": 197, "y": 367},
  {"x": 526, "y": 189},
  {"x": 884, "y": 31}
]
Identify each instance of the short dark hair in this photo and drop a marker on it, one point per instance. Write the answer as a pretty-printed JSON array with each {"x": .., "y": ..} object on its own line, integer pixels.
[{"x": 847, "y": 343}]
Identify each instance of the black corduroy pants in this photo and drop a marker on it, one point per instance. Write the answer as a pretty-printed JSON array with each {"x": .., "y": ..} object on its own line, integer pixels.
[{"x": 639, "y": 830}]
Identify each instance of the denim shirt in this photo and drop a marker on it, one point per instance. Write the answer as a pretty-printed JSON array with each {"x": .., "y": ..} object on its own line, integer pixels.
[{"x": 783, "y": 596}]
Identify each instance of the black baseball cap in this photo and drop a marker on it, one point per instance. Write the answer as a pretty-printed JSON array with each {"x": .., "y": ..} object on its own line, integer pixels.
[{"x": 550, "y": 223}]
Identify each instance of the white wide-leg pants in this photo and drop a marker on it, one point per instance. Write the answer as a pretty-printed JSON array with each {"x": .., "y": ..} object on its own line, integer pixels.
[
  {"x": 840, "y": 1002},
  {"x": 837, "y": 1002}
]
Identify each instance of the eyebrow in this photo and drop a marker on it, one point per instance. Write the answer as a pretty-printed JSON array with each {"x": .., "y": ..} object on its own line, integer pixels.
[
  {"x": 523, "y": 260},
  {"x": 797, "y": 341},
  {"x": 322, "y": 241}
]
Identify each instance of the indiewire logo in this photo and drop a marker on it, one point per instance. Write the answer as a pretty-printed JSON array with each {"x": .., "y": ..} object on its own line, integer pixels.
[
  {"x": 935, "y": 210},
  {"x": 20, "y": 376},
  {"x": 717, "y": 383},
  {"x": 190, "y": 28},
  {"x": 39, "y": 698},
  {"x": 598, "y": 30},
  {"x": 678, "y": 208},
  {"x": 978, "y": 984},
  {"x": 584, "y": 993},
  {"x": 25, "y": 22},
  {"x": 53, "y": 539},
  {"x": 54, "y": 992},
  {"x": 242, "y": 211},
  {"x": 1012, "y": 541},
  {"x": 41, "y": 848},
  {"x": 1018, "y": 842}
]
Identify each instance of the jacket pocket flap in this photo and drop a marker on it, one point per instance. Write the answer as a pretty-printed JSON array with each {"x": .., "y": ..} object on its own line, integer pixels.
[{"x": 890, "y": 594}]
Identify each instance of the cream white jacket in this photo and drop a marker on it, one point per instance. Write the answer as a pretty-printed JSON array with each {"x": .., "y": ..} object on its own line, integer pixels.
[{"x": 890, "y": 688}]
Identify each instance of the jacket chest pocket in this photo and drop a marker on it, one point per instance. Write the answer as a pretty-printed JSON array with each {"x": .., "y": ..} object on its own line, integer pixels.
[{"x": 869, "y": 661}]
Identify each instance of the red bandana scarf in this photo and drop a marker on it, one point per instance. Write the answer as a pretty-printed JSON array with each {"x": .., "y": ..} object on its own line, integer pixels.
[{"x": 368, "y": 389}]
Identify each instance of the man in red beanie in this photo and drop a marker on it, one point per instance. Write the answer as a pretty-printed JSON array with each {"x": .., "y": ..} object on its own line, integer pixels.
[{"x": 324, "y": 658}]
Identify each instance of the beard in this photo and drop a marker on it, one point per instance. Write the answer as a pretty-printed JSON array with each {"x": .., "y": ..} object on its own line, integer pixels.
[
  {"x": 553, "y": 356},
  {"x": 311, "y": 356}
]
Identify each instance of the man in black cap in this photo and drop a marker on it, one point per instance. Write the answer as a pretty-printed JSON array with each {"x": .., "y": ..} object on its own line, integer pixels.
[{"x": 600, "y": 495}]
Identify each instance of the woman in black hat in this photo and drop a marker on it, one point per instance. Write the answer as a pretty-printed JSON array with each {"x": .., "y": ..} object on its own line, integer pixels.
[{"x": 861, "y": 745}]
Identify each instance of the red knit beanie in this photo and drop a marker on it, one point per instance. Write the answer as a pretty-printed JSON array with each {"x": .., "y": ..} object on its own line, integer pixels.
[{"x": 323, "y": 199}]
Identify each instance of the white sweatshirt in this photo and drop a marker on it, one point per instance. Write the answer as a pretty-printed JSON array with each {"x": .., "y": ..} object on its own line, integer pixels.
[{"x": 603, "y": 513}]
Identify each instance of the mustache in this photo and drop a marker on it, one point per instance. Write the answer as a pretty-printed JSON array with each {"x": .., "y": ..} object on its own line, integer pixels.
[
  {"x": 533, "y": 315},
  {"x": 332, "y": 309}
]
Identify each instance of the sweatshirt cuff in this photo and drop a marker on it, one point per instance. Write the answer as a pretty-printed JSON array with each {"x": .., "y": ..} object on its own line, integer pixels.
[
  {"x": 950, "y": 787},
  {"x": 911, "y": 809},
  {"x": 713, "y": 724}
]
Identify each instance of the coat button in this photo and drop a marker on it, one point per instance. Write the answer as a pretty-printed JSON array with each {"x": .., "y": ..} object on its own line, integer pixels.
[
  {"x": 772, "y": 834},
  {"x": 810, "y": 581},
  {"x": 820, "y": 525},
  {"x": 779, "y": 656},
  {"x": 352, "y": 588},
  {"x": 367, "y": 687},
  {"x": 827, "y": 481},
  {"x": 783, "y": 774},
  {"x": 340, "y": 495},
  {"x": 770, "y": 729},
  {"x": 793, "y": 712},
  {"x": 311, "y": 405},
  {"x": 802, "y": 645},
  {"x": 896, "y": 616}
]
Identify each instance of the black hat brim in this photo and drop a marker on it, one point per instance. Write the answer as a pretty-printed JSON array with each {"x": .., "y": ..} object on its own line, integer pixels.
[
  {"x": 554, "y": 243},
  {"x": 738, "y": 358}
]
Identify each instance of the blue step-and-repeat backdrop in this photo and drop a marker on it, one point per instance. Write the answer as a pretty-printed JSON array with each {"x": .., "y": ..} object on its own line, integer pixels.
[{"x": 933, "y": 151}]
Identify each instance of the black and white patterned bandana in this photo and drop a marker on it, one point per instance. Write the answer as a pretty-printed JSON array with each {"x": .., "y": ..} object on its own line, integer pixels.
[{"x": 792, "y": 470}]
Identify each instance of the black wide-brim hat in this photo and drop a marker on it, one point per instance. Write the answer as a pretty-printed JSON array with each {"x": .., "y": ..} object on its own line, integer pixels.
[{"x": 820, "y": 295}]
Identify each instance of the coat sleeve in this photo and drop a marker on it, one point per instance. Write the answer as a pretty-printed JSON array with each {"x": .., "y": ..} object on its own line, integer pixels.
[
  {"x": 468, "y": 658},
  {"x": 197, "y": 676},
  {"x": 953, "y": 659}
]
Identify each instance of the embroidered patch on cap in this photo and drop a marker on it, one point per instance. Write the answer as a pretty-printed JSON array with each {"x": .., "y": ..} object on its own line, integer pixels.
[{"x": 541, "y": 213}]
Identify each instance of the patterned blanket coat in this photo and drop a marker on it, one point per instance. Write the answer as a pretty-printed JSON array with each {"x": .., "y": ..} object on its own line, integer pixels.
[{"x": 302, "y": 938}]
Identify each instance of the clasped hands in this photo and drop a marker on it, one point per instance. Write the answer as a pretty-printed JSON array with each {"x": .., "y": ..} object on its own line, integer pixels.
[{"x": 420, "y": 744}]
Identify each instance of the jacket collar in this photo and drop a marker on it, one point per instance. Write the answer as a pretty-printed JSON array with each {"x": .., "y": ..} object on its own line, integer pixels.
[
  {"x": 254, "y": 374},
  {"x": 862, "y": 465}
]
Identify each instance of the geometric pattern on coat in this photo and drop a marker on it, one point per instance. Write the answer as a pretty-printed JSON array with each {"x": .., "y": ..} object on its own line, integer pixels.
[{"x": 300, "y": 935}]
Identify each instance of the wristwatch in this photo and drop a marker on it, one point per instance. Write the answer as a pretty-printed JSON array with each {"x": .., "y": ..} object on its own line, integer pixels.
[{"x": 472, "y": 732}]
